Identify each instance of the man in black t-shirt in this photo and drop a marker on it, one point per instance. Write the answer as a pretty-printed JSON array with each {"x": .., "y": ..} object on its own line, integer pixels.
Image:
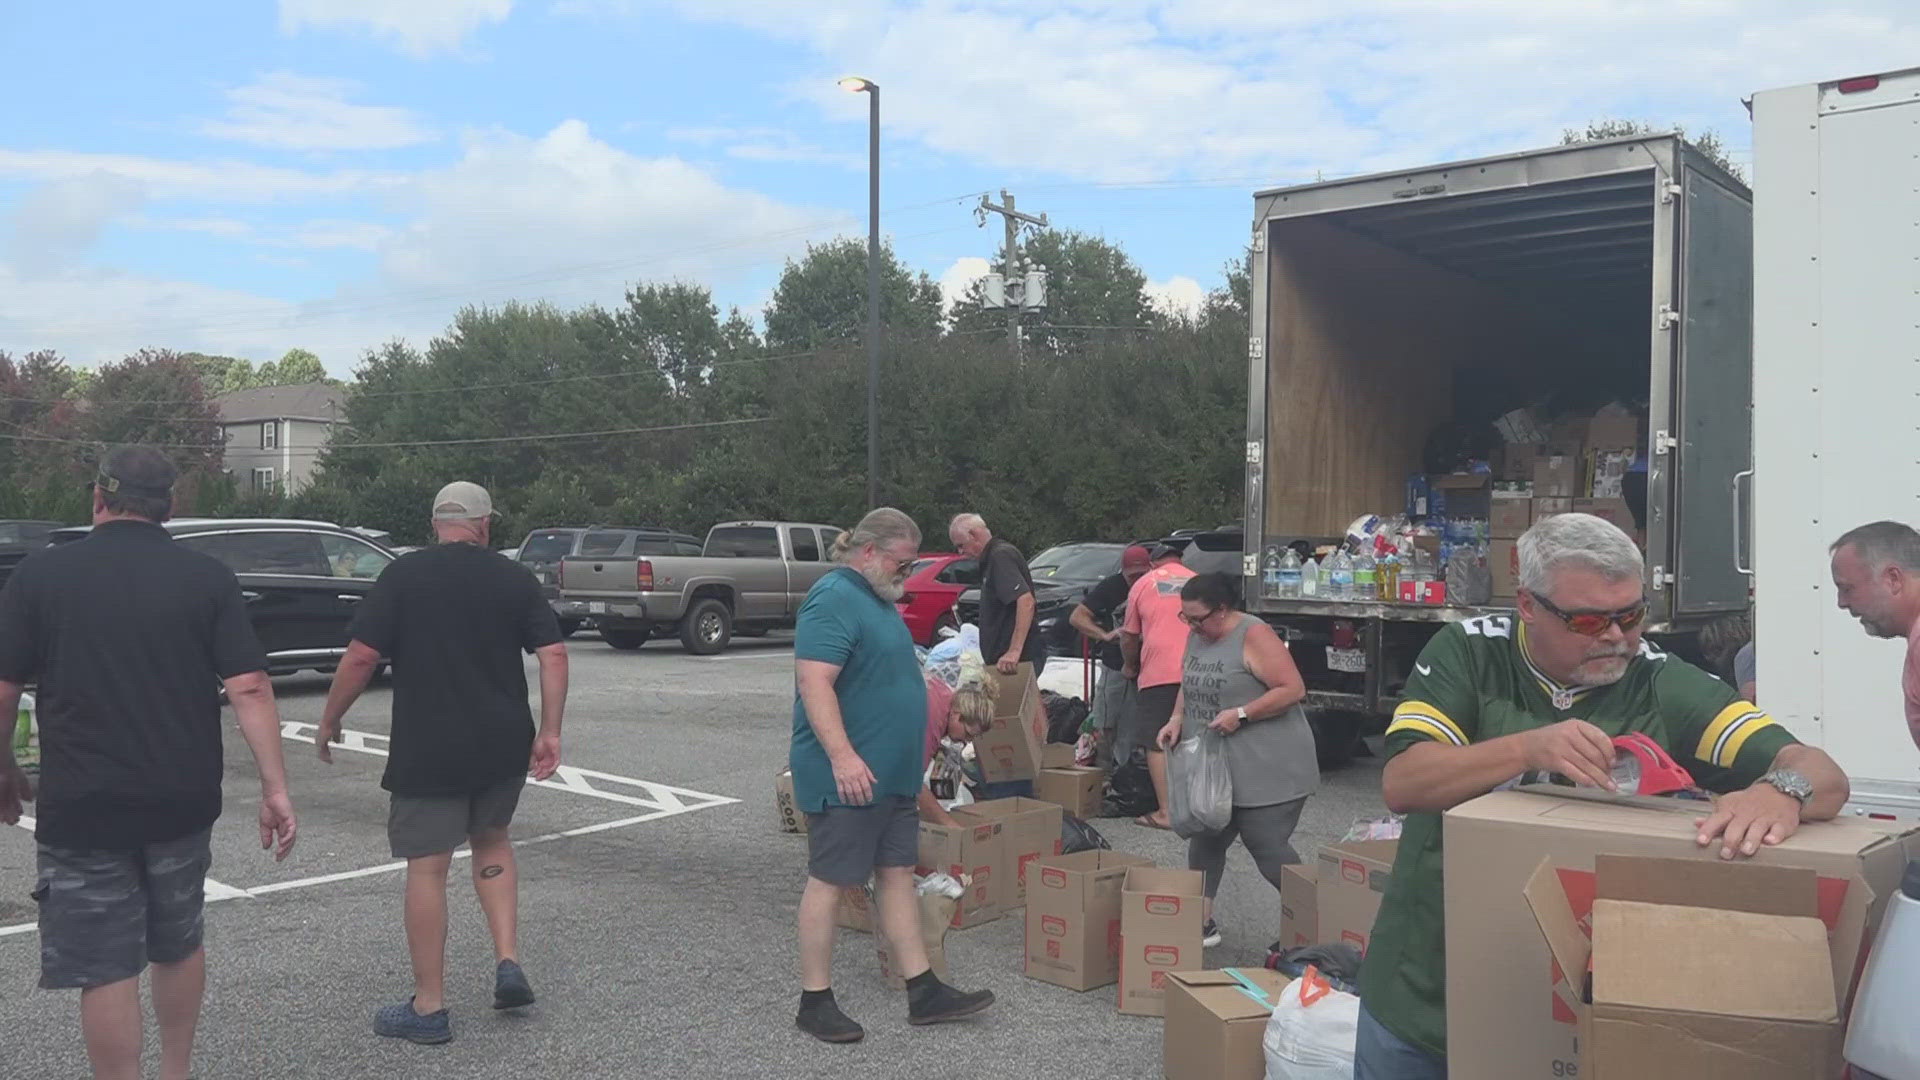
[
  {"x": 1007, "y": 634},
  {"x": 1097, "y": 617},
  {"x": 128, "y": 638},
  {"x": 453, "y": 620}
]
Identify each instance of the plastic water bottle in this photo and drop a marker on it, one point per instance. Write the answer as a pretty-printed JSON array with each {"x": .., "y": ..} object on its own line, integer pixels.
[
  {"x": 1290, "y": 575},
  {"x": 1310, "y": 580},
  {"x": 1270, "y": 572},
  {"x": 1339, "y": 575},
  {"x": 1365, "y": 587}
]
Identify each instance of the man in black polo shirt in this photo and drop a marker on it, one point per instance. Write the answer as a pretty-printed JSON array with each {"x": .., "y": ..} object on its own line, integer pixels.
[
  {"x": 454, "y": 619},
  {"x": 129, "y": 638},
  {"x": 1006, "y": 596}
]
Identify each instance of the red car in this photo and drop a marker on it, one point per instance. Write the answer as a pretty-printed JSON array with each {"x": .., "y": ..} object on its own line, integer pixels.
[{"x": 934, "y": 583}]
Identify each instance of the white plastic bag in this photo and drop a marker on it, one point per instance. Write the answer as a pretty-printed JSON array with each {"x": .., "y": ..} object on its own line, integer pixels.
[
  {"x": 956, "y": 661},
  {"x": 1312, "y": 1031},
  {"x": 1199, "y": 785}
]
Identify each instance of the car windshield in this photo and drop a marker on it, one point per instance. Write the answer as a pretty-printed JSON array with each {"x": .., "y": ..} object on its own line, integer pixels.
[
  {"x": 1076, "y": 562},
  {"x": 919, "y": 565},
  {"x": 547, "y": 546}
]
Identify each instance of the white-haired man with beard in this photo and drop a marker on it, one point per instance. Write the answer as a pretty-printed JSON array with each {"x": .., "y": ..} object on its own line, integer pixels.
[
  {"x": 858, "y": 758},
  {"x": 1496, "y": 699}
]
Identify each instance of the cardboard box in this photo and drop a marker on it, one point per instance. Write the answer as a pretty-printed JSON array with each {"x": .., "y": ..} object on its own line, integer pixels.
[
  {"x": 1613, "y": 428},
  {"x": 974, "y": 853},
  {"x": 1353, "y": 877},
  {"x": 1073, "y": 918},
  {"x": 1517, "y": 461},
  {"x": 791, "y": 819},
  {"x": 1614, "y": 510},
  {"x": 1503, "y": 566},
  {"x": 1160, "y": 925},
  {"x": 1505, "y": 1020},
  {"x": 936, "y": 913},
  {"x": 1010, "y": 749},
  {"x": 1077, "y": 789},
  {"x": 1029, "y": 829},
  {"x": 1216, "y": 1021},
  {"x": 1555, "y": 476},
  {"x": 855, "y": 910},
  {"x": 1299, "y": 905},
  {"x": 1675, "y": 973},
  {"x": 1511, "y": 516},
  {"x": 1544, "y": 508}
]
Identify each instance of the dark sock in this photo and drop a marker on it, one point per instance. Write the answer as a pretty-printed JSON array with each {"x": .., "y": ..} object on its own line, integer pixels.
[{"x": 813, "y": 999}]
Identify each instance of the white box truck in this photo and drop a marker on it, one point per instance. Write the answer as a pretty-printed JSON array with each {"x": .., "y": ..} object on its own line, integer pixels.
[{"x": 1836, "y": 406}]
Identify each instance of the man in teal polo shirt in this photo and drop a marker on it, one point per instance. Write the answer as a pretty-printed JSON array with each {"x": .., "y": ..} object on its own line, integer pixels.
[{"x": 859, "y": 730}]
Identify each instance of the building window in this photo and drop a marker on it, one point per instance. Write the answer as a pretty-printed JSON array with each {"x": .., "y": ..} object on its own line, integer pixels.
[
  {"x": 262, "y": 481},
  {"x": 269, "y": 434}
]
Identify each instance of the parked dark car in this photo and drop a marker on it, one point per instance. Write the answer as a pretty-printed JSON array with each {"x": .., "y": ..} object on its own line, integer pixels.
[
  {"x": 300, "y": 579},
  {"x": 543, "y": 549},
  {"x": 19, "y": 539},
  {"x": 1062, "y": 574}
]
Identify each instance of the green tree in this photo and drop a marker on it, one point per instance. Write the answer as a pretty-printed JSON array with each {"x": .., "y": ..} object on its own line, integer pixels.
[
  {"x": 1707, "y": 142},
  {"x": 42, "y": 456},
  {"x": 296, "y": 367},
  {"x": 823, "y": 298},
  {"x": 223, "y": 374},
  {"x": 1090, "y": 283},
  {"x": 155, "y": 396}
]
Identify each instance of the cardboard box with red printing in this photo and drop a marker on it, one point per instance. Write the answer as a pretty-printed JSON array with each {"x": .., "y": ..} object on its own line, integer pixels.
[
  {"x": 1353, "y": 877},
  {"x": 1076, "y": 789},
  {"x": 1503, "y": 566},
  {"x": 1216, "y": 1021},
  {"x": 1299, "y": 905},
  {"x": 1509, "y": 1016},
  {"x": 1073, "y": 917},
  {"x": 1556, "y": 476},
  {"x": 973, "y": 853},
  {"x": 1029, "y": 829},
  {"x": 1010, "y": 749},
  {"x": 1613, "y": 510},
  {"x": 784, "y": 805},
  {"x": 1512, "y": 514},
  {"x": 1160, "y": 931}
]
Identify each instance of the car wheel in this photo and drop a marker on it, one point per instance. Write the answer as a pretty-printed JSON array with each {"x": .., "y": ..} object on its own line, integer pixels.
[
  {"x": 569, "y": 627},
  {"x": 707, "y": 628},
  {"x": 626, "y": 640}
]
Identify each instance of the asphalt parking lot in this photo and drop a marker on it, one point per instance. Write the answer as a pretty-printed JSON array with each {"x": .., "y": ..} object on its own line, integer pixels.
[{"x": 657, "y": 907}]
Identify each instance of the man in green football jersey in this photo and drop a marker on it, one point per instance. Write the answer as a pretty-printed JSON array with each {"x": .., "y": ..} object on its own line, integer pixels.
[{"x": 1495, "y": 699}]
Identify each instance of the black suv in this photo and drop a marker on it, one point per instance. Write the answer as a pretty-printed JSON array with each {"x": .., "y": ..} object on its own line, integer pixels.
[
  {"x": 1062, "y": 575},
  {"x": 543, "y": 549},
  {"x": 18, "y": 539},
  {"x": 301, "y": 580}
]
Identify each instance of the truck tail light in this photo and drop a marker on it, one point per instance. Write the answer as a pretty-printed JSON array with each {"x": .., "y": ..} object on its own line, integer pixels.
[
  {"x": 1863, "y": 83},
  {"x": 560, "y": 575},
  {"x": 643, "y": 575}
]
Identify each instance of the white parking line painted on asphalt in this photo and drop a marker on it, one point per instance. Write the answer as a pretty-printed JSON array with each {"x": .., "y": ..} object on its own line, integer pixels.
[{"x": 215, "y": 891}]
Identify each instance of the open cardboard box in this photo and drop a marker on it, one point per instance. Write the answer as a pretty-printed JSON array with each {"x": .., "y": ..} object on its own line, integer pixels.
[
  {"x": 1701, "y": 969},
  {"x": 1216, "y": 1021},
  {"x": 1010, "y": 749},
  {"x": 1073, "y": 917}
]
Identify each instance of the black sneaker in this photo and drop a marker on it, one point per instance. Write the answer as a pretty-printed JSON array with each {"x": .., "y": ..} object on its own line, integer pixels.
[
  {"x": 510, "y": 987},
  {"x": 822, "y": 1019},
  {"x": 943, "y": 1003},
  {"x": 1210, "y": 934}
]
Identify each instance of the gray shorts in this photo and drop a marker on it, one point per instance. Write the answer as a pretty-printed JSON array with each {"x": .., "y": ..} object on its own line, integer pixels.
[
  {"x": 104, "y": 915},
  {"x": 1152, "y": 708},
  {"x": 846, "y": 843},
  {"x": 422, "y": 825}
]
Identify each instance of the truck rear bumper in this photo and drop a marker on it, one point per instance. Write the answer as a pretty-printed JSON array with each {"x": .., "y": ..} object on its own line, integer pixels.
[{"x": 601, "y": 611}]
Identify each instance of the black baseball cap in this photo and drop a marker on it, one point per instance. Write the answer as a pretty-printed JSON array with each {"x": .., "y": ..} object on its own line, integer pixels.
[{"x": 139, "y": 471}]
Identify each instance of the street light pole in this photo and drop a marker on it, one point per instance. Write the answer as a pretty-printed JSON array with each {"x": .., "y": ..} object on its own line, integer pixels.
[{"x": 872, "y": 90}]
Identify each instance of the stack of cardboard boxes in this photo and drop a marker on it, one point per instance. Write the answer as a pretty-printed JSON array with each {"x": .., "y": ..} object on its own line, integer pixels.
[{"x": 1574, "y": 466}]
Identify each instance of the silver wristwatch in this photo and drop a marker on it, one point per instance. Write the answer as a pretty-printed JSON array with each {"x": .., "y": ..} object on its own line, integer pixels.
[{"x": 1790, "y": 782}]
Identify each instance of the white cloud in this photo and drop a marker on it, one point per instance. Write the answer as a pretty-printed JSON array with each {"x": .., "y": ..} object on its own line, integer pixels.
[
  {"x": 356, "y": 235},
  {"x": 1177, "y": 295},
  {"x": 766, "y": 144},
  {"x": 55, "y": 225},
  {"x": 299, "y": 112},
  {"x": 420, "y": 27},
  {"x": 959, "y": 277},
  {"x": 171, "y": 178}
]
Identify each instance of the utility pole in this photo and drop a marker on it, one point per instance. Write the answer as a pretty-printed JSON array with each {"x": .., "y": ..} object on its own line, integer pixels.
[{"x": 1013, "y": 294}]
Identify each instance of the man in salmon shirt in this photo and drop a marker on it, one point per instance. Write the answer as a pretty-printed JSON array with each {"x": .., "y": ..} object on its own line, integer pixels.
[
  {"x": 1154, "y": 641},
  {"x": 1876, "y": 578}
]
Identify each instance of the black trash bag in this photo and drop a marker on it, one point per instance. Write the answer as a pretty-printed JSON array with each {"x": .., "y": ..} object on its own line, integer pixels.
[
  {"x": 1339, "y": 963},
  {"x": 1065, "y": 715},
  {"x": 1130, "y": 788},
  {"x": 1077, "y": 835}
]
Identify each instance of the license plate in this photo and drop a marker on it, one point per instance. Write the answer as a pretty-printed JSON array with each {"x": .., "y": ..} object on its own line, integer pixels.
[
  {"x": 1349, "y": 660},
  {"x": 597, "y": 607}
]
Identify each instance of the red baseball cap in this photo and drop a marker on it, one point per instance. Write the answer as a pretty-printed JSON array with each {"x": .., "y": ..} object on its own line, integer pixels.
[{"x": 1136, "y": 557}]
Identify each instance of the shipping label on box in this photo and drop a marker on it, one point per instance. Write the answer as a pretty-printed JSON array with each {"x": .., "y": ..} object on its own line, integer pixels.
[
  {"x": 1216, "y": 1022},
  {"x": 1011, "y": 748},
  {"x": 1029, "y": 829},
  {"x": 1299, "y": 905},
  {"x": 1160, "y": 933},
  {"x": 1353, "y": 878},
  {"x": 1073, "y": 918},
  {"x": 784, "y": 805},
  {"x": 1503, "y": 1024},
  {"x": 1606, "y": 473},
  {"x": 972, "y": 852}
]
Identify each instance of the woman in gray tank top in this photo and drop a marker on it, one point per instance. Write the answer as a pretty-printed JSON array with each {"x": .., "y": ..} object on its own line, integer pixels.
[{"x": 1240, "y": 681}]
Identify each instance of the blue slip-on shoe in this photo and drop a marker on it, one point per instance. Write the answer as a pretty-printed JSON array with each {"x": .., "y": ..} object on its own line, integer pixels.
[
  {"x": 510, "y": 987},
  {"x": 401, "y": 1022}
]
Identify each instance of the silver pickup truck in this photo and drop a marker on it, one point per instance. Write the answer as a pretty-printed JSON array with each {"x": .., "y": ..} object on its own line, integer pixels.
[{"x": 750, "y": 577}]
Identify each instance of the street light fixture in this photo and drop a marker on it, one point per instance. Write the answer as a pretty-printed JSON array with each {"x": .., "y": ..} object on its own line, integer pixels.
[{"x": 857, "y": 85}]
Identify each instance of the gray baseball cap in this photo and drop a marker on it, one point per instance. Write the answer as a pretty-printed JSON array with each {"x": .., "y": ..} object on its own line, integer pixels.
[
  {"x": 139, "y": 471},
  {"x": 462, "y": 500}
]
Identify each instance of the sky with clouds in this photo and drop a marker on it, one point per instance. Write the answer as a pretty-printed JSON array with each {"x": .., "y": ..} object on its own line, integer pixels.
[{"x": 246, "y": 176}]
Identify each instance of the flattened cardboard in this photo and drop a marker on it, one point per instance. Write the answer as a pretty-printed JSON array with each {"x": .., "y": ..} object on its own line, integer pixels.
[
  {"x": 1299, "y": 905},
  {"x": 1503, "y": 1024},
  {"x": 1073, "y": 918},
  {"x": 1029, "y": 829},
  {"x": 1010, "y": 749},
  {"x": 1160, "y": 924},
  {"x": 1076, "y": 789},
  {"x": 1215, "y": 1023},
  {"x": 785, "y": 806},
  {"x": 973, "y": 851},
  {"x": 1352, "y": 880}
]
